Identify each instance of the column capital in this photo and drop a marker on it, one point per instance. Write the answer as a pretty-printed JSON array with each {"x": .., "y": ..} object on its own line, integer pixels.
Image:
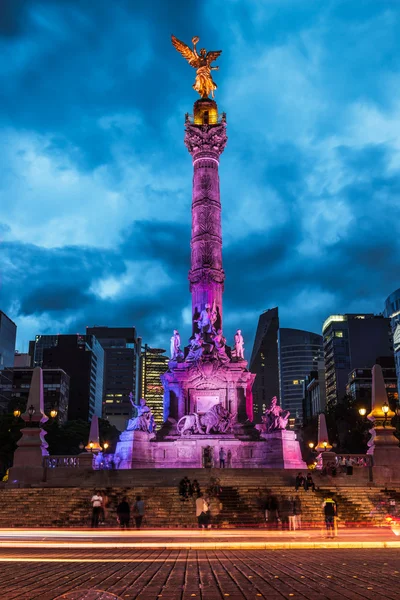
[{"x": 205, "y": 141}]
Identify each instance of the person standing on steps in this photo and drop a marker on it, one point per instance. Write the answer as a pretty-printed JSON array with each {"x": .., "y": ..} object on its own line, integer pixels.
[
  {"x": 330, "y": 512},
  {"x": 201, "y": 509},
  {"x": 138, "y": 511},
  {"x": 222, "y": 458},
  {"x": 97, "y": 504},
  {"x": 123, "y": 513}
]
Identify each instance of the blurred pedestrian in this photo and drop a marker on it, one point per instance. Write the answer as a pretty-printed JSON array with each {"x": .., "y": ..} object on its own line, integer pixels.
[
  {"x": 222, "y": 458},
  {"x": 201, "y": 508},
  {"x": 97, "y": 503},
  {"x": 330, "y": 512},
  {"x": 138, "y": 511},
  {"x": 123, "y": 513}
]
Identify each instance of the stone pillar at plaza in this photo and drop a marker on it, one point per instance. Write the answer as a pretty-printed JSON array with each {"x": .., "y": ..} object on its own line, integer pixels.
[
  {"x": 323, "y": 446},
  {"x": 383, "y": 445},
  {"x": 32, "y": 447}
]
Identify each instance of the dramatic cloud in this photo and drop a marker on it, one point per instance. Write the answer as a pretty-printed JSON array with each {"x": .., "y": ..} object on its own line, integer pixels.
[{"x": 95, "y": 181}]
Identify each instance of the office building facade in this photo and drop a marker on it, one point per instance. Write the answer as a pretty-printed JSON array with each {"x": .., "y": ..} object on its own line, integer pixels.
[
  {"x": 392, "y": 312},
  {"x": 82, "y": 358},
  {"x": 299, "y": 353},
  {"x": 264, "y": 362},
  {"x": 15, "y": 385},
  {"x": 352, "y": 341},
  {"x": 122, "y": 351},
  {"x": 8, "y": 334},
  {"x": 154, "y": 363}
]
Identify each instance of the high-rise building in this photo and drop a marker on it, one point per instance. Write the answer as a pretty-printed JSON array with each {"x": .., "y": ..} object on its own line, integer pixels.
[
  {"x": 15, "y": 385},
  {"x": 352, "y": 341},
  {"x": 154, "y": 364},
  {"x": 392, "y": 312},
  {"x": 314, "y": 393},
  {"x": 264, "y": 361},
  {"x": 8, "y": 334},
  {"x": 82, "y": 358},
  {"x": 37, "y": 346},
  {"x": 122, "y": 349},
  {"x": 299, "y": 353},
  {"x": 281, "y": 359}
]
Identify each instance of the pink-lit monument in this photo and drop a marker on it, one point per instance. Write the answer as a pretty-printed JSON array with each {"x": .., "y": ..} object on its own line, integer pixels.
[{"x": 208, "y": 403}]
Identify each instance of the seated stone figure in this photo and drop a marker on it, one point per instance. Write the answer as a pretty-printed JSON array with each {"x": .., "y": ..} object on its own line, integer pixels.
[
  {"x": 195, "y": 349},
  {"x": 144, "y": 420},
  {"x": 219, "y": 347},
  {"x": 275, "y": 418}
]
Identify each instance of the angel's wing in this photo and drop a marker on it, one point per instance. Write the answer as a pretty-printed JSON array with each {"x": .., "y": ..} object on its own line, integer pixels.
[
  {"x": 185, "y": 51},
  {"x": 213, "y": 55}
]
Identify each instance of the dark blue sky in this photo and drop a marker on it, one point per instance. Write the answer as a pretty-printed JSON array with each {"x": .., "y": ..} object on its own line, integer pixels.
[{"x": 95, "y": 181}]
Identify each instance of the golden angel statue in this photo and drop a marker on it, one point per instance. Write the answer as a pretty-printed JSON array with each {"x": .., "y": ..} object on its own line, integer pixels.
[{"x": 204, "y": 83}]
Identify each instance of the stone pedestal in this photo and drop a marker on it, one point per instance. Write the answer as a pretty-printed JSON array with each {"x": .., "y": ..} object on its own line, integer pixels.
[
  {"x": 28, "y": 458},
  {"x": 134, "y": 450},
  {"x": 283, "y": 450},
  {"x": 324, "y": 458}
]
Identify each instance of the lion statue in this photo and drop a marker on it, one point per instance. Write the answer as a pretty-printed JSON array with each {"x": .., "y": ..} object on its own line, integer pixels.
[{"x": 217, "y": 420}]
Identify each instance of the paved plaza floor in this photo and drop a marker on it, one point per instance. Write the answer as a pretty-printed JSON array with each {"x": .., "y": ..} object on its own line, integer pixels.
[{"x": 109, "y": 574}]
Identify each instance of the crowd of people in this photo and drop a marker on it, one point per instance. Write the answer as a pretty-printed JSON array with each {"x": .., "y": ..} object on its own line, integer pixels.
[
  {"x": 283, "y": 512},
  {"x": 100, "y": 504}
]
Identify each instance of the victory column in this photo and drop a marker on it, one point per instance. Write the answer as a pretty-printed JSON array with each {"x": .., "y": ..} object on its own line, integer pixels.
[{"x": 208, "y": 401}]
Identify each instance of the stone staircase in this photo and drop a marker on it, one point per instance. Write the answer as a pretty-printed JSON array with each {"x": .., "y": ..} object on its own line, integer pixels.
[{"x": 239, "y": 505}]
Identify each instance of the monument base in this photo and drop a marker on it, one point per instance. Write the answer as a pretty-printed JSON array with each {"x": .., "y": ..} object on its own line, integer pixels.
[
  {"x": 283, "y": 450},
  {"x": 138, "y": 450}
]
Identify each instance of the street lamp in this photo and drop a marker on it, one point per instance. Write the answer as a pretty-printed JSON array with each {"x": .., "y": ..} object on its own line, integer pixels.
[
  {"x": 53, "y": 413},
  {"x": 91, "y": 446},
  {"x": 31, "y": 412},
  {"x": 385, "y": 409},
  {"x": 81, "y": 446},
  {"x": 17, "y": 413},
  {"x": 325, "y": 444},
  {"x": 362, "y": 411},
  {"x": 311, "y": 445},
  {"x": 106, "y": 445}
]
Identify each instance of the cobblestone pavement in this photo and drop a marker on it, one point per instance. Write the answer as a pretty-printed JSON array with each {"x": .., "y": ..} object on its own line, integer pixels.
[{"x": 29, "y": 574}]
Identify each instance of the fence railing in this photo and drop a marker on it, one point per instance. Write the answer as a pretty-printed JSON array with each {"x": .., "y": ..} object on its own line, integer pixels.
[{"x": 65, "y": 462}]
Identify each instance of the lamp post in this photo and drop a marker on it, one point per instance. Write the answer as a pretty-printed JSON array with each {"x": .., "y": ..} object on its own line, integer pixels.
[
  {"x": 17, "y": 413},
  {"x": 325, "y": 444},
  {"x": 385, "y": 409},
  {"x": 91, "y": 446},
  {"x": 311, "y": 445},
  {"x": 362, "y": 411},
  {"x": 53, "y": 413},
  {"x": 31, "y": 412}
]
